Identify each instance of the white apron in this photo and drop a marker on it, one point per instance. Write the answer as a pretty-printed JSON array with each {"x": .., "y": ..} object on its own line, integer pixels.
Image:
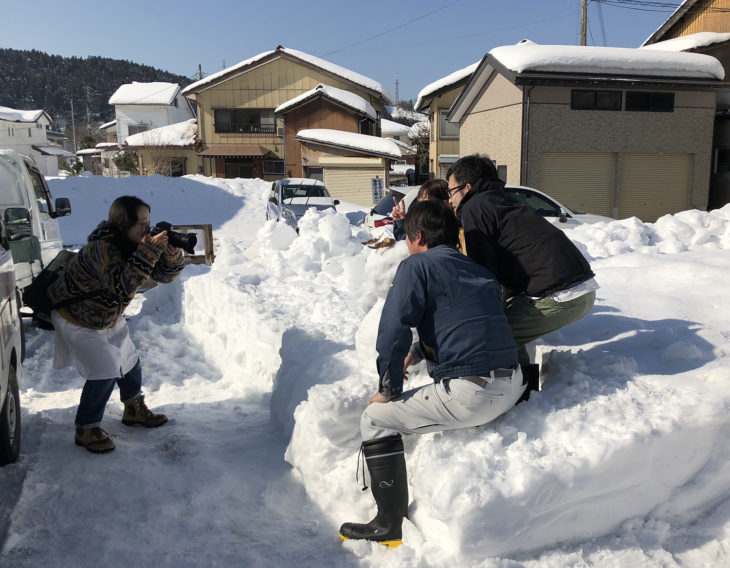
[{"x": 97, "y": 353}]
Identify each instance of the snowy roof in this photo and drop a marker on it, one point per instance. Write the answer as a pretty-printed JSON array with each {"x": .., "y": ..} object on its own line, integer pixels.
[
  {"x": 52, "y": 151},
  {"x": 384, "y": 147},
  {"x": 444, "y": 83},
  {"x": 179, "y": 134},
  {"x": 401, "y": 169},
  {"x": 526, "y": 57},
  {"x": 105, "y": 145},
  {"x": 395, "y": 128},
  {"x": 88, "y": 151},
  {"x": 145, "y": 94},
  {"x": 681, "y": 10},
  {"x": 108, "y": 125},
  {"x": 346, "y": 98},
  {"x": 351, "y": 76},
  {"x": 692, "y": 41},
  {"x": 13, "y": 115}
]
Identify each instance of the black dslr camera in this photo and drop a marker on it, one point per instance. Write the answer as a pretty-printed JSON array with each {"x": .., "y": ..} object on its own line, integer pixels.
[{"x": 184, "y": 241}]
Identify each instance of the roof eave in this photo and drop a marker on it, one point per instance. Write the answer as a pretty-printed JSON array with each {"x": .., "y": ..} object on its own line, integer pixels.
[
  {"x": 681, "y": 10},
  {"x": 568, "y": 79},
  {"x": 349, "y": 148}
]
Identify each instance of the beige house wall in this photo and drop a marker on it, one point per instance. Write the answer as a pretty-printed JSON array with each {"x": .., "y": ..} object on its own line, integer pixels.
[
  {"x": 554, "y": 127},
  {"x": 704, "y": 16},
  {"x": 264, "y": 87},
  {"x": 151, "y": 159},
  {"x": 441, "y": 146},
  {"x": 494, "y": 126}
]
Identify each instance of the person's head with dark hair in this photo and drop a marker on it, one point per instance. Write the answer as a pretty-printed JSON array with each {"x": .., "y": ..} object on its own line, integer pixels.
[
  {"x": 130, "y": 216},
  {"x": 429, "y": 224},
  {"x": 466, "y": 172},
  {"x": 434, "y": 189}
]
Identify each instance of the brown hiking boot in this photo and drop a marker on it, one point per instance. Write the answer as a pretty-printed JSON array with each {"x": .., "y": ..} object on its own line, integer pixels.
[
  {"x": 136, "y": 412},
  {"x": 95, "y": 440}
]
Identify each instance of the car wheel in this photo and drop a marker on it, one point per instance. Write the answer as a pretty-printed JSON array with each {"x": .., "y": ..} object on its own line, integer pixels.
[{"x": 10, "y": 421}]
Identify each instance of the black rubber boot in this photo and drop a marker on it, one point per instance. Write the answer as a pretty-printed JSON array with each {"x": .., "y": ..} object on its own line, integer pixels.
[
  {"x": 388, "y": 482},
  {"x": 530, "y": 377}
]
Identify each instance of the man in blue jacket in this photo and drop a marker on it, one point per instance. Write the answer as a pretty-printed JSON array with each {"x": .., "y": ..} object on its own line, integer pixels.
[{"x": 463, "y": 334}]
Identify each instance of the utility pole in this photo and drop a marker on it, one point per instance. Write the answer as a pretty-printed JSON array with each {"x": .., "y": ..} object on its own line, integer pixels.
[
  {"x": 583, "y": 21},
  {"x": 200, "y": 71},
  {"x": 73, "y": 123},
  {"x": 396, "y": 92},
  {"x": 88, "y": 113}
]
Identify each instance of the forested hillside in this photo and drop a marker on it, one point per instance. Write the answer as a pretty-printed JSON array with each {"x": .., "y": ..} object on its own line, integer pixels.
[{"x": 32, "y": 80}]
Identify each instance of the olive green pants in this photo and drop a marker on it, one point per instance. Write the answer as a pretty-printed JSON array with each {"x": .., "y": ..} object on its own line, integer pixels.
[{"x": 530, "y": 318}]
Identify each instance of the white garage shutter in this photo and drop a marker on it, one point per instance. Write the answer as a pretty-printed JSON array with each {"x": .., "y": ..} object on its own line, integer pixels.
[
  {"x": 652, "y": 185},
  {"x": 583, "y": 181}
]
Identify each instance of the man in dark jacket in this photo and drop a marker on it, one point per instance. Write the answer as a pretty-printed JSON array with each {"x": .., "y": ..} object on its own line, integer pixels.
[
  {"x": 463, "y": 334},
  {"x": 547, "y": 282}
]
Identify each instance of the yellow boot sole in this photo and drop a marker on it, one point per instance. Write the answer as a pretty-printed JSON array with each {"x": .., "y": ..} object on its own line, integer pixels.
[{"x": 388, "y": 543}]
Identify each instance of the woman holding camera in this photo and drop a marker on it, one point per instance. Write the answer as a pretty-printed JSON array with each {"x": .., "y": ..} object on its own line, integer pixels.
[{"x": 95, "y": 289}]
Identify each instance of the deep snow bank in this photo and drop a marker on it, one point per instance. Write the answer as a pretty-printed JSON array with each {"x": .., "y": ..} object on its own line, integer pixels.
[{"x": 632, "y": 421}]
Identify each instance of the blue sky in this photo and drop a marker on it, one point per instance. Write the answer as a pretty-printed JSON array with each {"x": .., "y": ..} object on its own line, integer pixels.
[{"x": 413, "y": 42}]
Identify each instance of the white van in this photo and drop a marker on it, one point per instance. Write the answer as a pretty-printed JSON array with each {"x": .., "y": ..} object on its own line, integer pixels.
[
  {"x": 11, "y": 350},
  {"x": 23, "y": 187}
]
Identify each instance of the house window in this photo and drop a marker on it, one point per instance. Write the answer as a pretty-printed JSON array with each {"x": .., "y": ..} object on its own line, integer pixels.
[
  {"x": 274, "y": 167},
  {"x": 137, "y": 128},
  {"x": 595, "y": 100},
  {"x": 447, "y": 129},
  {"x": 246, "y": 121},
  {"x": 648, "y": 101}
]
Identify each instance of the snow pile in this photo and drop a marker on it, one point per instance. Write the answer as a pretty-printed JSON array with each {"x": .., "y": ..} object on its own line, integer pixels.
[
  {"x": 621, "y": 460},
  {"x": 670, "y": 234}
]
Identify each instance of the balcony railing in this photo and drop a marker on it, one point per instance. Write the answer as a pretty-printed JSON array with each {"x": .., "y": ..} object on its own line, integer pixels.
[{"x": 227, "y": 128}]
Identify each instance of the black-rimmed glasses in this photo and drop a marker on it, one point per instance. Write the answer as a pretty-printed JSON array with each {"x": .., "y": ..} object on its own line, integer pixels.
[{"x": 456, "y": 189}]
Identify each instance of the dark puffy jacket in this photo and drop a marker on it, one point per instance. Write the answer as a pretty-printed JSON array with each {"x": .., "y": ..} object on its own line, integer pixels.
[
  {"x": 116, "y": 267},
  {"x": 527, "y": 254},
  {"x": 454, "y": 304}
]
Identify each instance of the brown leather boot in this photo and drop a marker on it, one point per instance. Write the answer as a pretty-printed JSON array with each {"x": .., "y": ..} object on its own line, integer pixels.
[
  {"x": 136, "y": 412},
  {"x": 95, "y": 440}
]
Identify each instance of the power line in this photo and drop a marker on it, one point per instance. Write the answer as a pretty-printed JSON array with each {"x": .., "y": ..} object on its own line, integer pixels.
[
  {"x": 462, "y": 37},
  {"x": 658, "y": 6},
  {"x": 391, "y": 29}
]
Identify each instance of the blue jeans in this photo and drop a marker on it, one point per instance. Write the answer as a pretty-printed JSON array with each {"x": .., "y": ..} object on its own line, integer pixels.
[{"x": 95, "y": 395}]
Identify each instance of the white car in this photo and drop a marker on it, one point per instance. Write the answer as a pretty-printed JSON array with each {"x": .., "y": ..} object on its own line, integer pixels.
[
  {"x": 291, "y": 197},
  {"x": 550, "y": 208},
  {"x": 379, "y": 216},
  {"x": 558, "y": 214}
]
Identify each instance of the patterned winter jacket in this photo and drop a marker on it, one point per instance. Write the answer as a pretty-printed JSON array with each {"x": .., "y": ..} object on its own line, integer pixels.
[{"x": 116, "y": 267}]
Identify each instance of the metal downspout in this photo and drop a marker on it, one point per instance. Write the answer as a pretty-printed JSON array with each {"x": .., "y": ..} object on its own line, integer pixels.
[{"x": 525, "y": 136}]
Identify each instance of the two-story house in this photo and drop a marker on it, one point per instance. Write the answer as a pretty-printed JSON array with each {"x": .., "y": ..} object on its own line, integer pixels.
[
  {"x": 139, "y": 107},
  {"x": 436, "y": 100},
  {"x": 703, "y": 26},
  {"x": 238, "y": 130},
  {"x": 27, "y": 132},
  {"x": 613, "y": 131}
]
